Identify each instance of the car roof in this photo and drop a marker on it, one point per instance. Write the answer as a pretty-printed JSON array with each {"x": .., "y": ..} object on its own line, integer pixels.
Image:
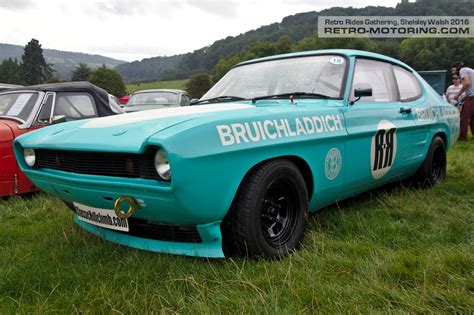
[
  {"x": 162, "y": 90},
  {"x": 65, "y": 87},
  {"x": 344, "y": 52},
  {"x": 8, "y": 86},
  {"x": 101, "y": 97}
]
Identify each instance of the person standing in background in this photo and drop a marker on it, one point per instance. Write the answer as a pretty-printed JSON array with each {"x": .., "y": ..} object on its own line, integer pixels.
[
  {"x": 467, "y": 114},
  {"x": 452, "y": 91}
]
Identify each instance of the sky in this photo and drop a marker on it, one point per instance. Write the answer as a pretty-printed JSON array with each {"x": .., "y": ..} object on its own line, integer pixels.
[{"x": 135, "y": 29}]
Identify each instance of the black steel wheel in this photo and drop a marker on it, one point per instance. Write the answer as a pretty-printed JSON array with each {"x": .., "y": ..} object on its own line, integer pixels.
[
  {"x": 277, "y": 216},
  {"x": 268, "y": 215}
]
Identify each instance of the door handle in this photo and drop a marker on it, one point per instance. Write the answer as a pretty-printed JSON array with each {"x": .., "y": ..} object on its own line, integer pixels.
[{"x": 405, "y": 110}]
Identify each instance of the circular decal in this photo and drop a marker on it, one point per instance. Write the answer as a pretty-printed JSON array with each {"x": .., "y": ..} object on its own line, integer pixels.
[
  {"x": 384, "y": 149},
  {"x": 333, "y": 163},
  {"x": 337, "y": 60}
]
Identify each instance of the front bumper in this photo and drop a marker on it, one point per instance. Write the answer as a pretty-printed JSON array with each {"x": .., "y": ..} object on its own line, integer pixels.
[{"x": 157, "y": 204}]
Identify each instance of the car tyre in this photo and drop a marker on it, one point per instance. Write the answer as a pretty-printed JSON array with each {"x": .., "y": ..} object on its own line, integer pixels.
[
  {"x": 269, "y": 213},
  {"x": 433, "y": 169}
]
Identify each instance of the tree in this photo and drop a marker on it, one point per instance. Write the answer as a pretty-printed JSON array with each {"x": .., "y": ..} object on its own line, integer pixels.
[
  {"x": 81, "y": 73},
  {"x": 54, "y": 80},
  {"x": 224, "y": 65},
  {"x": 11, "y": 72},
  {"x": 35, "y": 68},
  {"x": 110, "y": 80},
  {"x": 284, "y": 44},
  {"x": 198, "y": 84}
]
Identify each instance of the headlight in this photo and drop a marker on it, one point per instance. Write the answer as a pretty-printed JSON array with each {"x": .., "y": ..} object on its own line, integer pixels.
[
  {"x": 162, "y": 165},
  {"x": 30, "y": 157}
]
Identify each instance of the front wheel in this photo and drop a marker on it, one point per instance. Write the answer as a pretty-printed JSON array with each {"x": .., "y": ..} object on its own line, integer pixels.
[
  {"x": 269, "y": 213},
  {"x": 433, "y": 169}
]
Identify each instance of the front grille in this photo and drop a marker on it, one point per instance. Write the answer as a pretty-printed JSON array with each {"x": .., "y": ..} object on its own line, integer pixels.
[
  {"x": 99, "y": 163},
  {"x": 163, "y": 232}
]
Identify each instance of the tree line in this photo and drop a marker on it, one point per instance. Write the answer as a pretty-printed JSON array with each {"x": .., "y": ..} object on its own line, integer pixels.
[
  {"x": 419, "y": 53},
  {"x": 33, "y": 69}
]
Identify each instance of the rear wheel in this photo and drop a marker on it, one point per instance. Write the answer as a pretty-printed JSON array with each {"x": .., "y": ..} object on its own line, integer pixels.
[
  {"x": 433, "y": 169},
  {"x": 268, "y": 216}
]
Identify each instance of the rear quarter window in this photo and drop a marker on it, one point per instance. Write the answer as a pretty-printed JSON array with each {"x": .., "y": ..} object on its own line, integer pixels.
[{"x": 408, "y": 85}]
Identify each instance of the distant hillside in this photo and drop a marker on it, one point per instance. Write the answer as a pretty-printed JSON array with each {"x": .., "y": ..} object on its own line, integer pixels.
[
  {"x": 296, "y": 27},
  {"x": 150, "y": 68},
  {"x": 64, "y": 62}
]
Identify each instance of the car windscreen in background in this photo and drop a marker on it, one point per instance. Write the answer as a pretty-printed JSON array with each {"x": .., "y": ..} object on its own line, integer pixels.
[{"x": 17, "y": 105}]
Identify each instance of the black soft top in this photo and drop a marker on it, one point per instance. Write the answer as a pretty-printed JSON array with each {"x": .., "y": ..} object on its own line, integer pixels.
[{"x": 101, "y": 97}]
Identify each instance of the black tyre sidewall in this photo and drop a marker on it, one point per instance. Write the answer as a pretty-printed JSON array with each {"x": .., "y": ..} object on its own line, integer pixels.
[
  {"x": 438, "y": 145},
  {"x": 426, "y": 178},
  {"x": 290, "y": 174}
]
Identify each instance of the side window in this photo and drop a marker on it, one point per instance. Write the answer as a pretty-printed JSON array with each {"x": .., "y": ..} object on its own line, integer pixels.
[
  {"x": 75, "y": 106},
  {"x": 44, "y": 116},
  {"x": 408, "y": 85},
  {"x": 375, "y": 75}
]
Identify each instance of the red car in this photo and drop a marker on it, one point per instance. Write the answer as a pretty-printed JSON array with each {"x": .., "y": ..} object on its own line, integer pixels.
[
  {"x": 28, "y": 108},
  {"x": 124, "y": 99}
]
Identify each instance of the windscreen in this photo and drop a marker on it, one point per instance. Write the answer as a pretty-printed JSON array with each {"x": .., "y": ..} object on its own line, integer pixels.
[
  {"x": 17, "y": 105},
  {"x": 322, "y": 74}
]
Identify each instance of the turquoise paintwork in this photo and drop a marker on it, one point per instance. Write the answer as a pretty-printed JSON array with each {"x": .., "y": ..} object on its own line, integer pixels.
[{"x": 206, "y": 173}]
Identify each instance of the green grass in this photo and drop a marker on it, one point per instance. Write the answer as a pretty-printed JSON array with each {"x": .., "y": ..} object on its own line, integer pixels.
[
  {"x": 178, "y": 84},
  {"x": 390, "y": 250}
]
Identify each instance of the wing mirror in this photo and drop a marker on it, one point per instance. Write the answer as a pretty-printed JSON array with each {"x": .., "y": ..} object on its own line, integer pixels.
[
  {"x": 358, "y": 93},
  {"x": 193, "y": 101},
  {"x": 362, "y": 93},
  {"x": 58, "y": 119}
]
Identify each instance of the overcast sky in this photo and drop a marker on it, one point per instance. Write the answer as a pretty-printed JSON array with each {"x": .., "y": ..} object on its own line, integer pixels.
[{"x": 136, "y": 29}]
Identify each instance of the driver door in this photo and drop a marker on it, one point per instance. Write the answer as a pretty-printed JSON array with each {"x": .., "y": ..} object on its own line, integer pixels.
[{"x": 379, "y": 130}]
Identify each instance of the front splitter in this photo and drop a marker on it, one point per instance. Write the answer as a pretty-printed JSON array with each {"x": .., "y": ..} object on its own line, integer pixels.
[{"x": 211, "y": 246}]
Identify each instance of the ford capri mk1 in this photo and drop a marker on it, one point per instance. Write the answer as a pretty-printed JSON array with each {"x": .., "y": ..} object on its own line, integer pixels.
[
  {"x": 238, "y": 173},
  {"x": 25, "y": 109}
]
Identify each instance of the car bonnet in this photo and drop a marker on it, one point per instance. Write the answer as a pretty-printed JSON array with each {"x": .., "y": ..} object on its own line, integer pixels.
[{"x": 124, "y": 133}]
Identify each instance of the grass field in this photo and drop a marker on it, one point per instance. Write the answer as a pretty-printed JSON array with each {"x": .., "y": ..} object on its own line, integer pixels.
[
  {"x": 178, "y": 84},
  {"x": 390, "y": 250}
]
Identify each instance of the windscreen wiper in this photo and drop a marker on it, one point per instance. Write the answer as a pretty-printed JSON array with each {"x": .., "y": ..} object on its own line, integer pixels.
[
  {"x": 294, "y": 94},
  {"x": 223, "y": 98}
]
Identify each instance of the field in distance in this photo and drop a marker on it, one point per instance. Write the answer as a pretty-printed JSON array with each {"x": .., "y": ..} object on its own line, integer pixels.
[{"x": 177, "y": 84}]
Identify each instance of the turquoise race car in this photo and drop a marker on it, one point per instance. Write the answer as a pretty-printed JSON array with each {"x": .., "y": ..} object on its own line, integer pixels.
[{"x": 238, "y": 172}]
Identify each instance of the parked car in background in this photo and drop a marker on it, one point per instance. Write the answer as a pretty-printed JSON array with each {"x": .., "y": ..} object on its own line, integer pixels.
[
  {"x": 123, "y": 100},
  {"x": 29, "y": 108},
  {"x": 4, "y": 86},
  {"x": 274, "y": 139},
  {"x": 155, "y": 99}
]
